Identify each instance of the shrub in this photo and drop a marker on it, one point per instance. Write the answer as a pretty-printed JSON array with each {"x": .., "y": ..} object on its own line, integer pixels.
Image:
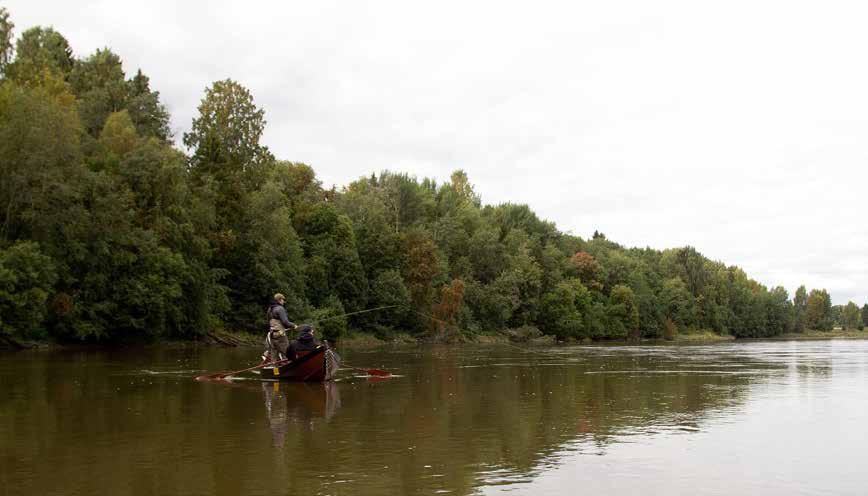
[{"x": 27, "y": 278}]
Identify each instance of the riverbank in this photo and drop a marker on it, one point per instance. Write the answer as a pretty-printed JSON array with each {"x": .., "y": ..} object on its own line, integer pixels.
[
  {"x": 523, "y": 337},
  {"x": 702, "y": 337},
  {"x": 360, "y": 340},
  {"x": 837, "y": 333}
]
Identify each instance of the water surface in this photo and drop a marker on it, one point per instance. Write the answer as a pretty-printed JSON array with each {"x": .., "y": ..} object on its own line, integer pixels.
[{"x": 736, "y": 418}]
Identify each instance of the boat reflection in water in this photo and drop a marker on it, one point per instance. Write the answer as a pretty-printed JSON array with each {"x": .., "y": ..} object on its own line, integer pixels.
[{"x": 303, "y": 405}]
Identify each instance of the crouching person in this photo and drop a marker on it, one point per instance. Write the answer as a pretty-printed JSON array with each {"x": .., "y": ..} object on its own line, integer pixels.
[{"x": 304, "y": 343}]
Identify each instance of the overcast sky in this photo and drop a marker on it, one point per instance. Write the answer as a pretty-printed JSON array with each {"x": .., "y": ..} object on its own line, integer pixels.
[{"x": 737, "y": 127}]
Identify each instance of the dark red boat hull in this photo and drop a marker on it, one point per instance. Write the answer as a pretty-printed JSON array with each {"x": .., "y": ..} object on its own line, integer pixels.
[{"x": 318, "y": 365}]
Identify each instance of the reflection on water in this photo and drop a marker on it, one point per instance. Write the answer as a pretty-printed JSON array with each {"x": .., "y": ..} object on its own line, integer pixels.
[
  {"x": 298, "y": 404},
  {"x": 742, "y": 418}
]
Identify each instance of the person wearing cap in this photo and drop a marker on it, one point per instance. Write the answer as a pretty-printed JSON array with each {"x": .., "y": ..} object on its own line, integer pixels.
[
  {"x": 304, "y": 343},
  {"x": 276, "y": 341}
]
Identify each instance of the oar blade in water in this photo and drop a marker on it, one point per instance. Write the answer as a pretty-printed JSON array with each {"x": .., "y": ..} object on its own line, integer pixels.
[
  {"x": 373, "y": 372},
  {"x": 379, "y": 373}
]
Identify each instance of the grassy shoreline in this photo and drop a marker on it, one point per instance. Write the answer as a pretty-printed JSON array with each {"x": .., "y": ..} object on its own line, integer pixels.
[
  {"x": 702, "y": 337},
  {"x": 363, "y": 340},
  {"x": 838, "y": 333}
]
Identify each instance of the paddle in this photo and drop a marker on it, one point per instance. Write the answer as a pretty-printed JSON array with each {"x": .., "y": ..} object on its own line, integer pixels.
[
  {"x": 374, "y": 372},
  {"x": 222, "y": 375}
]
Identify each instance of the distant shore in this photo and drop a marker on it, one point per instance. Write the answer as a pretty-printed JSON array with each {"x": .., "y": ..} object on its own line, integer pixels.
[
  {"x": 837, "y": 333},
  {"x": 363, "y": 340},
  {"x": 696, "y": 337}
]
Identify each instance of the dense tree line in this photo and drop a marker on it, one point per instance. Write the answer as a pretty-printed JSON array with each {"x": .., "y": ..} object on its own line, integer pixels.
[{"x": 108, "y": 231}]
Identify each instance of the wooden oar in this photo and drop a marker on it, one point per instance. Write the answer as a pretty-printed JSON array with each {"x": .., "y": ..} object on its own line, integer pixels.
[
  {"x": 222, "y": 375},
  {"x": 374, "y": 372}
]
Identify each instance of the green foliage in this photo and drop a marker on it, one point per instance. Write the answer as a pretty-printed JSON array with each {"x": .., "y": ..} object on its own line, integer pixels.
[
  {"x": 865, "y": 315},
  {"x": 624, "y": 313},
  {"x": 491, "y": 304},
  {"x": 818, "y": 311},
  {"x": 38, "y": 50},
  {"x": 39, "y": 146},
  {"x": 110, "y": 232},
  {"x": 119, "y": 136},
  {"x": 145, "y": 108},
  {"x": 98, "y": 82},
  {"x": 525, "y": 274},
  {"x": 6, "y": 34},
  {"x": 852, "y": 317},
  {"x": 266, "y": 259},
  {"x": 377, "y": 241},
  {"x": 225, "y": 135},
  {"x": 688, "y": 265},
  {"x": 388, "y": 290},
  {"x": 779, "y": 311},
  {"x": 27, "y": 278},
  {"x": 335, "y": 267},
  {"x": 677, "y": 303},
  {"x": 564, "y": 309},
  {"x": 800, "y": 304},
  {"x": 405, "y": 199},
  {"x": 100, "y": 85},
  {"x": 329, "y": 320},
  {"x": 487, "y": 254},
  {"x": 837, "y": 315}
]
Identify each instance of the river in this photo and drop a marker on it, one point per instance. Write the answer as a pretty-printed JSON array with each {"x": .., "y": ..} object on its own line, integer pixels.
[{"x": 771, "y": 418}]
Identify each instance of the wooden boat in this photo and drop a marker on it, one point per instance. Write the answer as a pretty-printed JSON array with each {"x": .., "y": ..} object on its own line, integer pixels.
[{"x": 320, "y": 364}]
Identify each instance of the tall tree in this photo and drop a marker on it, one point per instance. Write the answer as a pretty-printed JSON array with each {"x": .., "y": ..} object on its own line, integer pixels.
[
  {"x": 818, "y": 310},
  {"x": 333, "y": 268},
  {"x": 38, "y": 50},
  {"x": 98, "y": 82},
  {"x": 419, "y": 266},
  {"x": 6, "y": 32},
  {"x": 565, "y": 310},
  {"x": 692, "y": 265},
  {"x": 852, "y": 316},
  {"x": 225, "y": 135},
  {"x": 624, "y": 312},
  {"x": 588, "y": 270},
  {"x": 779, "y": 312},
  {"x": 224, "y": 139},
  {"x": 800, "y": 304},
  {"x": 865, "y": 315},
  {"x": 677, "y": 302},
  {"x": 27, "y": 278},
  {"x": 118, "y": 135},
  {"x": 39, "y": 149},
  {"x": 146, "y": 110}
]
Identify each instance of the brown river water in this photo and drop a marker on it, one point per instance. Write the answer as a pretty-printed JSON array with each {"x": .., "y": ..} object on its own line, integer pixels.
[{"x": 755, "y": 418}]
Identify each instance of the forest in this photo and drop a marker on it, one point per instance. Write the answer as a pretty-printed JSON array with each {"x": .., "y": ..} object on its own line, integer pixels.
[{"x": 113, "y": 229}]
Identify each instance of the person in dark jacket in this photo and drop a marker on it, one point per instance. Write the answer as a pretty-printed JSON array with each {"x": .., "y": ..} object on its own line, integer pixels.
[
  {"x": 305, "y": 342},
  {"x": 276, "y": 341}
]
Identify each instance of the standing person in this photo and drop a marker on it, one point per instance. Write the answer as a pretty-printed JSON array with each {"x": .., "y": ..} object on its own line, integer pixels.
[
  {"x": 304, "y": 343},
  {"x": 276, "y": 341}
]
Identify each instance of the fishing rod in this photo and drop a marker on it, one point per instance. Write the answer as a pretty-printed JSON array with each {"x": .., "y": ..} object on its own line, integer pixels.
[
  {"x": 428, "y": 316},
  {"x": 372, "y": 372},
  {"x": 475, "y": 333},
  {"x": 353, "y": 313}
]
